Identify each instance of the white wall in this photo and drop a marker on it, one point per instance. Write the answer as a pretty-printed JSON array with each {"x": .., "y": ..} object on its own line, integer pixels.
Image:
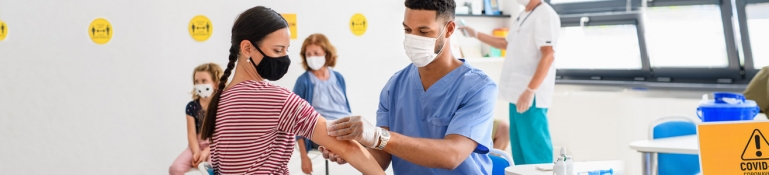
[{"x": 68, "y": 105}]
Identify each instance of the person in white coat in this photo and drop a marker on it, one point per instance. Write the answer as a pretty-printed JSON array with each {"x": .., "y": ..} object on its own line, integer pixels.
[{"x": 528, "y": 79}]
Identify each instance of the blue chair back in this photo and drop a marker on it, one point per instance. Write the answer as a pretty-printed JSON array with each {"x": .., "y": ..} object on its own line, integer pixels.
[
  {"x": 499, "y": 165},
  {"x": 499, "y": 161},
  {"x": 676, "y": 164}
]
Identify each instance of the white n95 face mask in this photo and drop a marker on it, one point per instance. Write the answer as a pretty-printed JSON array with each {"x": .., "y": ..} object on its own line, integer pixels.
[
  {"x": 204, "y": 90},
  {"x": 421, "y": 50},
  {"x": 316, "y": 62},
  {"x": 524, "y": 2}
]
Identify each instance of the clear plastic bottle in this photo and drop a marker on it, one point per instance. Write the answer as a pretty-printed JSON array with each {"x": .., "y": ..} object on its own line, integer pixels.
[
  {"x": 569, "y": 165},
  {"x": 559, "y": 167}
]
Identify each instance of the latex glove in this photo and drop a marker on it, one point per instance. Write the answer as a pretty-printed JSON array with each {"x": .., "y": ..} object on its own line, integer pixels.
[
  {"x": 355, "y": 128},
  {"x": 470, "y": 31},
  {"x": 306, "y": 165},
  {"x": 524, "y": 101},
  {"x": 328, "y": 155}
]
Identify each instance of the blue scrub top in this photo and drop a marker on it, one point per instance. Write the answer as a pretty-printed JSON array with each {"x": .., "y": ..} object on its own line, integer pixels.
[{"x": 462, "y": 102}]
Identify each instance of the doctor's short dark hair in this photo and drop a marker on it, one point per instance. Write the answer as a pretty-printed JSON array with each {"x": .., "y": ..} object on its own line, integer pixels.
[{"x": 443, "y": 8}]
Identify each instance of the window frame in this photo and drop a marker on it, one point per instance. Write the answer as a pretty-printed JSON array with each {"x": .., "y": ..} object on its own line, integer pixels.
[
  {"x": 595, "y": 7},
  {"x": 734, "y": 73},
  {"x": 741, "y": 6},
  {"x": 733, "y": 70},
  {"x": 633, "y": 18}
]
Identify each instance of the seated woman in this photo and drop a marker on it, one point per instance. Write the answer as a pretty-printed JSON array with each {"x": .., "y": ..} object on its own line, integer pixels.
[
  {"x": 321, "y": 86},
  {"x": 252, "y": 124}
]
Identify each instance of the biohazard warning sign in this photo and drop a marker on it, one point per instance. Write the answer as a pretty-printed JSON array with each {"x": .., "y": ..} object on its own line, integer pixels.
[{"x": 734, "y": 148}]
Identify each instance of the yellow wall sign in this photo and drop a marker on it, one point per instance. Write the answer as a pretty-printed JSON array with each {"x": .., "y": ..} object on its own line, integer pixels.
[
  {"x": 3, "y": 30},
  {"x": 734, "y": 148},
  {"x": 100, "y": 31},
  {"x": 358, "y": 24},
  {"x": 200, "y": 28},
  {"x": 291, "y": 19}
]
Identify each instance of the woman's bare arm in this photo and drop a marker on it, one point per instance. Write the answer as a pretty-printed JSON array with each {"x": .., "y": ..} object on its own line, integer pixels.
[{"x": 355, "y": 154}]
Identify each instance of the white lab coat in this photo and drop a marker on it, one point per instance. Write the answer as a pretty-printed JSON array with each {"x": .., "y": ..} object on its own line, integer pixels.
[{"x": 526, "y": 37}]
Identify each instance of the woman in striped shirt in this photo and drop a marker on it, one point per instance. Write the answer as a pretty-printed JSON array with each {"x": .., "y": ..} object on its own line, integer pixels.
[{"x": 252, "y": 123}]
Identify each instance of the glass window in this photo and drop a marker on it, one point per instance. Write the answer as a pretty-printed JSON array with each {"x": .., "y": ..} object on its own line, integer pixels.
[
  {"x": 686, "y": 36},
  {"x": 598, "y": 47},
  {"x": 572, "y": 1},
  {"x": 758, "y": 28}
]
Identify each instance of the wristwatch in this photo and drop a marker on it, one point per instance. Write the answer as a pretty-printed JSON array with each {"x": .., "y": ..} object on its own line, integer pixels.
[{"x": 383, "y": 138}]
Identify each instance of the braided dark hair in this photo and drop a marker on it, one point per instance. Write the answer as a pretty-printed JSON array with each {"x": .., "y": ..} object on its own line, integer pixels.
[{"x": 254, "y": 24}]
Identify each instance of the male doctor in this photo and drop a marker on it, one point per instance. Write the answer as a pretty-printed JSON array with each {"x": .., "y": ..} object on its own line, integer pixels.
[
  {"x": 435, "y": 115},
  {"x": 528, "y": 79}
]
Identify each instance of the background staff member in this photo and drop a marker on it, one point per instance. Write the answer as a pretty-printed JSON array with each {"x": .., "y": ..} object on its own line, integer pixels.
[{"x": 528, "y": 79}]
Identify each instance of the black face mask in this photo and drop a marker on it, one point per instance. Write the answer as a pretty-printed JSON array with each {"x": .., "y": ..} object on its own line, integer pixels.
[{"x": 271, "y": 68}]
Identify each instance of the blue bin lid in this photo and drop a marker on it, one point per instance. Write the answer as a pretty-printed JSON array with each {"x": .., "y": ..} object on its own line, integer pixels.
[
  {"x": 748, "y": 104},
  {"x": 729, "y": 100}
]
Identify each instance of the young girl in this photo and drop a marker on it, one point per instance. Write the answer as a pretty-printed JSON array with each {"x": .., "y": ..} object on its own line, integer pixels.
[
  {"x": 205, "y": 77},
  {"x": 252, "y": 123}
]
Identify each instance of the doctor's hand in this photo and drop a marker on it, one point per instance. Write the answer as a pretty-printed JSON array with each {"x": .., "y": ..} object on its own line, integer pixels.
[
  {"x": 470, "y": 31},
  {"x": 524, "y": 101},
  {"x": 355, "y": 128},
  {"x": 328, "y": 155}
]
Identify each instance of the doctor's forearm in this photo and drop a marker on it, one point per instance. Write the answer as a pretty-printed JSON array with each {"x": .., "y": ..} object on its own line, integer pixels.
[
  {"x": 383, "y": 158},
  {"x": 493, "y": 41},
  {"x": 542, "y": 69},
  {"x": 445, "y": 153}
]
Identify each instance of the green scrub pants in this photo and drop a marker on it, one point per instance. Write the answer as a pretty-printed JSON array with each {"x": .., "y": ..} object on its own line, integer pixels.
[{"x": 530, "y": 136}]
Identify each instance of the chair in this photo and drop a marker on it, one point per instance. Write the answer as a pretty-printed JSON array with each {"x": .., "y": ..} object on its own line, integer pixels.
[
  {"x": 205, "y": 170},
  {"x": 312, "y": 147},
  {"x": 318, "y": 154},
  {"x": 673, "y": 164},
  {"x": 500, "y": 160},
  {"x": 201, "y": 169}
]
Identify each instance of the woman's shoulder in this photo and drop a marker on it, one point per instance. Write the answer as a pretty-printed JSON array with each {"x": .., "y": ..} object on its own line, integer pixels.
[
  {"x": 259, "y": 88},
  {"x": 337, "y": 74},
  {"x": 304, "y": 78}
]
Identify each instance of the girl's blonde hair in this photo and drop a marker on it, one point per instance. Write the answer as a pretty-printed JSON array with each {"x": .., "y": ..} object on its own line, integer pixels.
[{"x": 211, "y": 68}]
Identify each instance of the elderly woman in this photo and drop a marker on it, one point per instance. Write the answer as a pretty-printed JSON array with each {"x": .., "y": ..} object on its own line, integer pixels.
[{"x": 321, "y": 86}]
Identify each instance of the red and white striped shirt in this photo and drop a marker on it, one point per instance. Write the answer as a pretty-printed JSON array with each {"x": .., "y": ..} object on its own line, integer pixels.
[{"x": 256, "y": 125}]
